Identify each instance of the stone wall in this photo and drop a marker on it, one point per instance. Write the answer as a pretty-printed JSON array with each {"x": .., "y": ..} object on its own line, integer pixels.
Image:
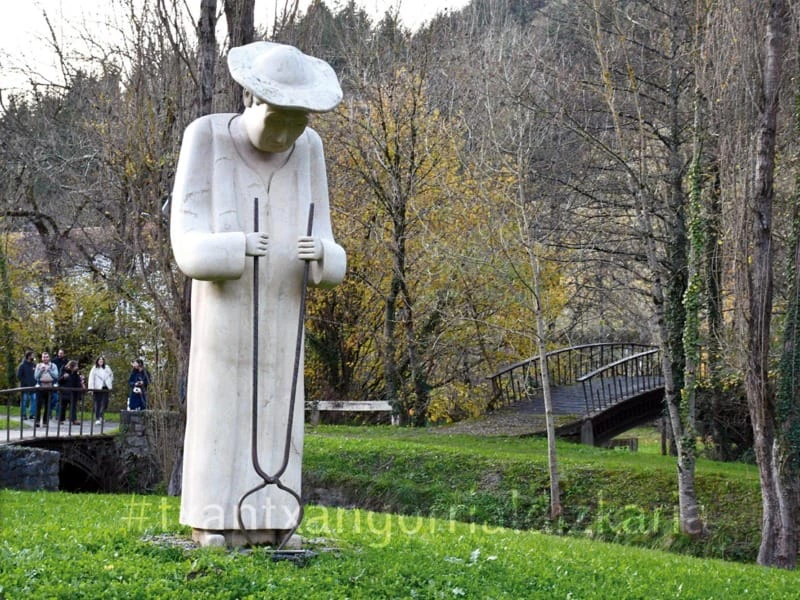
[
  {"x": 28, "y": 468},
  {"x": 145, "y": 444}
]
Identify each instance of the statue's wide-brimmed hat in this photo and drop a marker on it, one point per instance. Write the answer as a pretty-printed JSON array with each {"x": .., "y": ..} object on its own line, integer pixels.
[{"x": 283, "y": 76}]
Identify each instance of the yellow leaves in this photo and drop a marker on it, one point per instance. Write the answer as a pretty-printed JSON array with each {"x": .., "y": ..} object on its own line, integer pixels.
[
  {"x": 136, "y": 166},
  {"x": 457, "y": 401},
  {"x": 131, "y": 169},
  {"x": 407, "y": 205}
]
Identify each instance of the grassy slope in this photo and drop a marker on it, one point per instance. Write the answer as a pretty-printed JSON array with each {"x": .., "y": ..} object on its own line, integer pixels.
[
  {"x": 58, "y": 545},
  {"x": 611, "y": 495}
]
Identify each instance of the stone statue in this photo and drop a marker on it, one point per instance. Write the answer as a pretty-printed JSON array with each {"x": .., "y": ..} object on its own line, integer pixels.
[{"x": 264, "y": 167}]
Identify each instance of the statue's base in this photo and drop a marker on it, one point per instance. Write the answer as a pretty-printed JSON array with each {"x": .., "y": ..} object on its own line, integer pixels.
[{"x": 234, "y": 538}]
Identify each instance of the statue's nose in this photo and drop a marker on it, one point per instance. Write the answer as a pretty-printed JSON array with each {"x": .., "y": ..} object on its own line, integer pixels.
[{"x": 282, "y": 136}]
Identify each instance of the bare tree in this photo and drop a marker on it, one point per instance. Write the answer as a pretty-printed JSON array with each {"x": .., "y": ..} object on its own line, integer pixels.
[
  {"x": 631, "y": 106},
  {"x": 207, "y": 54},
  {"x": 240, "y": 17},
  {"x": 754, "y": 283}
]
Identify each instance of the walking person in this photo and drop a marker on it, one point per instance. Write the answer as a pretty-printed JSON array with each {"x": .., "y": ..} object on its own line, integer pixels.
[
  {"x": 72, "y": 380},
  {"x": 101, "y": 380},
  {"x": 138, "y": 382},
  {"x": 25, "y": 375},
  {"x": 46, "y": 376}
]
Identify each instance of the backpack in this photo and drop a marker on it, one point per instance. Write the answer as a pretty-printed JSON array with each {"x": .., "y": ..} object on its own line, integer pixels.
[{"x": 46, "y": 378}]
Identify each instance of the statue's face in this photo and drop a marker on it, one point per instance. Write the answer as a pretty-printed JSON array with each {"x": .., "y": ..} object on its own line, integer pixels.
[{"x": 273, "y": 129}]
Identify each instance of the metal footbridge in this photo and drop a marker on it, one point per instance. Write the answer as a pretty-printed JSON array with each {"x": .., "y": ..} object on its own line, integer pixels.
[{"x": 607, "y": 388}]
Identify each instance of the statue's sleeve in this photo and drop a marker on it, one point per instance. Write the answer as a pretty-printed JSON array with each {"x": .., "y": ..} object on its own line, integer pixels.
[
  {"x": 200, "y": 252},
  {"x": 330, "y": 270}
]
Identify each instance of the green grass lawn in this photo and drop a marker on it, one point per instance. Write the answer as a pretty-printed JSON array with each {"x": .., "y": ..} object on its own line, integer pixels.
[
  {"x": 532, "y": 449},
  {"x": 611, "y": 495},
  {"x": 59, "y": 545},
  {"x": 458, "y": 516}
]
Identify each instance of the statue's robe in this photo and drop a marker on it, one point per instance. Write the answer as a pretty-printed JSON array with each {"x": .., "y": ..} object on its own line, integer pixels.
[{"x": 219, "y": 174}]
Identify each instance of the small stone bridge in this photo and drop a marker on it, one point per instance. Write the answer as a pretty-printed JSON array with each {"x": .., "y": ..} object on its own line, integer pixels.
[
  {"x": 598, "y": 390},
  {"x": 15, "y": 428},
  {"x": 117, "y": 454}
]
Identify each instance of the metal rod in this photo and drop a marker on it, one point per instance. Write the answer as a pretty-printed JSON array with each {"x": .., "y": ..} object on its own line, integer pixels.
[
  {"x": 254, "y": 372},
  {"x": 266, "y": 478}
]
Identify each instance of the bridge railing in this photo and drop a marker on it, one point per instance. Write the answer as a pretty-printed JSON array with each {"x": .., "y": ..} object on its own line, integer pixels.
[
  {"x": 14, "y": 425},
  {"x": 522, "y": 380},
  {"x": 621, "y": 379}
]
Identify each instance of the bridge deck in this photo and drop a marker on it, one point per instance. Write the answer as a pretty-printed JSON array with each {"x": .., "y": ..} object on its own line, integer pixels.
[
  {"x": 526, "y": 417},
  {"x": 567, "y": 400},
  {"x": 570, "y": 399},
  {"x": 54, "y": 429}
]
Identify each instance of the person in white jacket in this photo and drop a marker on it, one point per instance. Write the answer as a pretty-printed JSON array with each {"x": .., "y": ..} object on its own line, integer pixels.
[{"x": 101, "y": 380}]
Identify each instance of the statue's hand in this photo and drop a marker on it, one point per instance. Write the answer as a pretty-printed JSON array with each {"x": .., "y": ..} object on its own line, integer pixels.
[
  {"x": 256, "y": 243},
  {"x": 309, "y": 248}
]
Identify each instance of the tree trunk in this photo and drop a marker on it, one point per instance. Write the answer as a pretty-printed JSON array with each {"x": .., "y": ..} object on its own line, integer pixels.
[
  {"x": 552, "y": 459},
  {"x": 175, "y": 484},
  {"x": 395, "y": 393},
  {"x": 6, "y": 307},
  {"x": 206, "y": 55},
  {"x": 206, "y": 61},
  {"x": 669, "y": 272},
  {"x": 755, "y": 286},
  {"x": 390, "y": 371},
  {"x": 240, "y": 17},
  {"x": 690, "y": 522},
  {"x": 713, "y": 285},
  {"x": 788, "y": 404},
  {"x": 694, "y": 238},
  {"x": 415, "y": 366}
]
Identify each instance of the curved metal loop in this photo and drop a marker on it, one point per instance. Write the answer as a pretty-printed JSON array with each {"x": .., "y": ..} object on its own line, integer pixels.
[{"x": 274, "y": 479}]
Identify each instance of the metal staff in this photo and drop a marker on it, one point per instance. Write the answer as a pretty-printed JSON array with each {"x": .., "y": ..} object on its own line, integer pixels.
[{"x": 268, "y": 479}]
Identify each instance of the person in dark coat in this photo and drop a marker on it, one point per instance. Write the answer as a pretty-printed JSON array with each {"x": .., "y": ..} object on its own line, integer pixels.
[
  {"x": 25, "y": 374},
  {"x": 70, "y": 378},
  {"x": 138, "y": 382},
  {"x": 60, "y": 361}
]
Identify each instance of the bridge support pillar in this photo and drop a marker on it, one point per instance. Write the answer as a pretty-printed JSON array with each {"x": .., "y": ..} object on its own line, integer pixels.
[{"x": 587, "y": 432}]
